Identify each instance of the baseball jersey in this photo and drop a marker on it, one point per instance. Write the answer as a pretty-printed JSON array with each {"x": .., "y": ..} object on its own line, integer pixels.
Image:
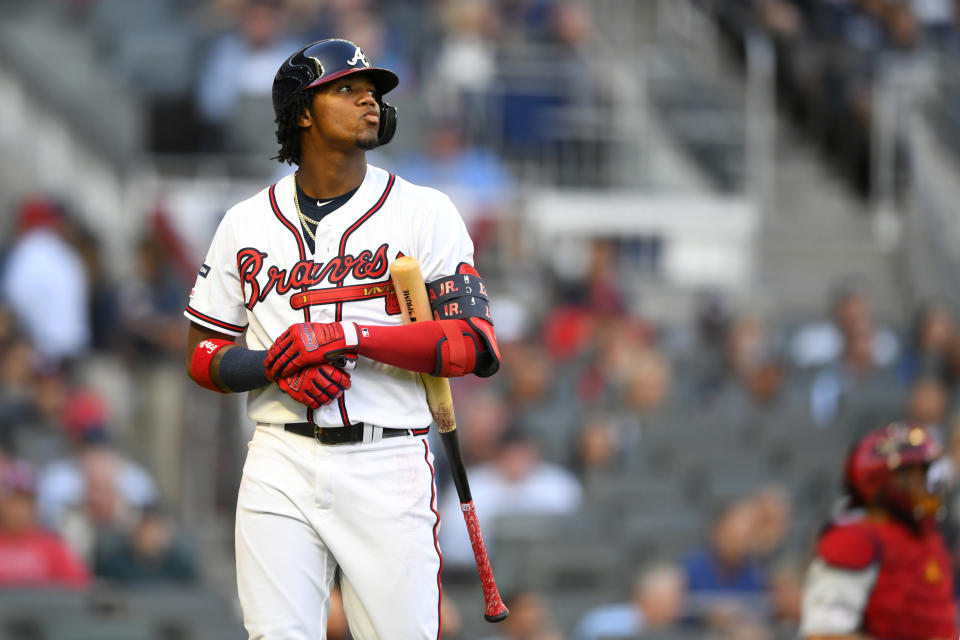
[
  {"x": 881, "y": 576},
  {"x": 259, "y": 277}
]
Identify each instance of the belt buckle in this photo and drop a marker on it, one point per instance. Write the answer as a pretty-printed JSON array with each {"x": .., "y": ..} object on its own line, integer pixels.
[{"x": 316, "y": 436}]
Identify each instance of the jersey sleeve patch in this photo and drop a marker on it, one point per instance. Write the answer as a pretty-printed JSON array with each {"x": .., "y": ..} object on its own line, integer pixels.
[{"x": 848, "y": 547}]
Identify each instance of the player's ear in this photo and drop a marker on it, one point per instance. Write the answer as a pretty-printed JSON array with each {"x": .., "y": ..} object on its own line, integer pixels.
[{"x": 306, "y": 118}]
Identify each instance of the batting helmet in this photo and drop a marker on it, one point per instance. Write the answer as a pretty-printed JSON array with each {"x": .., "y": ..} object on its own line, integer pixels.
[
  {"x": 871, "y": 466},
  {"x": 327, "y": 60}
]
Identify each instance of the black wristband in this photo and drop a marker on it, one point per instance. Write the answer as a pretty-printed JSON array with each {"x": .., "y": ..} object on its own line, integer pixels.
[{"x": 242, "y": 369}]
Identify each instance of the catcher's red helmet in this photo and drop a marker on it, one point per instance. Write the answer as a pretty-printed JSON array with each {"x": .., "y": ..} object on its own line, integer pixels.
[{"x": 878, "y": 455}]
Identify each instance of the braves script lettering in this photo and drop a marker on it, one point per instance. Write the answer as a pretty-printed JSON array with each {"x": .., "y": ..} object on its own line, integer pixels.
[{"x": 367, "y": 265}]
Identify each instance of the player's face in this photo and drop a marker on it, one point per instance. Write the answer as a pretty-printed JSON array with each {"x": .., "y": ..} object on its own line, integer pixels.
[
  {"x": 913, "y": 481},
  {"x": 344, "y": 114}
]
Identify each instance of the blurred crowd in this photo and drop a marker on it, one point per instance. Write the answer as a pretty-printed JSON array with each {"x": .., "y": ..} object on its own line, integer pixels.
[
  {"x": 450, "y": 51},
  {"x": 586, "y": 387},
  {"x": 95, "y": 431},
  {"x": 831, "y": 57},
  {"x": 81, "y": 497},
  {"x": 463, "y": 66},
  {"x": 88, "y": 486}
]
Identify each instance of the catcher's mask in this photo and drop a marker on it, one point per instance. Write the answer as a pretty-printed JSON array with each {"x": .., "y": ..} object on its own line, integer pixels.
[{"x": 873, "y": 466}]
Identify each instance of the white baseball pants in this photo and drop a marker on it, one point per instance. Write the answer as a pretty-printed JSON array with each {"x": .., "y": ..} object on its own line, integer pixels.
[{"x": 305, "y": 508}]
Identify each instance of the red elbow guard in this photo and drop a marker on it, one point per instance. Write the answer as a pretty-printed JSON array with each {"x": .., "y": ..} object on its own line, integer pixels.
[
  {"x": 200, "y": 362},
  {"x": 463, "y": 297},
  {"x": 446, "y": 348},
  {"x": 456, "y": 351}
]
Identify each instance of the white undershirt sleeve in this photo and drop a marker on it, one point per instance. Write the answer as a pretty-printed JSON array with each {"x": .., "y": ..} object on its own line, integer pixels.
[{"x": 834, "y": 599}]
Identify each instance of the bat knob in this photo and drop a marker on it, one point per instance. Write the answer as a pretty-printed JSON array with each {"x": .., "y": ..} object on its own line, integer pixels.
[{"x": 498, "y": 616}]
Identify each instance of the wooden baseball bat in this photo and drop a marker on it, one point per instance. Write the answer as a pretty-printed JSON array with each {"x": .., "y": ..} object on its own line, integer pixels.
[{"x": 414, "y": 307}]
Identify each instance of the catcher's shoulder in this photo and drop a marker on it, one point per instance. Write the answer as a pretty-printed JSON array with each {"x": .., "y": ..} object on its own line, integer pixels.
[{"x": 849, "y": 544}]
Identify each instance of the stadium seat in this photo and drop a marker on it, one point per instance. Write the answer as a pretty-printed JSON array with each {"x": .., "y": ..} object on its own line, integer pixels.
[
  {"x": 27, "y": 602},
  {"x": 249, "y": 129},
  {"x": 96, "y": 628}
]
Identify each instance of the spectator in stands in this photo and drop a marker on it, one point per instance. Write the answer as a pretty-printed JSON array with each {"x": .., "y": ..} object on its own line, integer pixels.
[
  {"x": 546, "y": 85},
  {"x": 855, "y": 391},
  {"x": 528, "y": 619},
  {"x": 8, "y": 321},
  {"x": 786, "y": 596},
  {"x": 937, "y": 20},
  {"x": 152, "y": 553},
  {"x": 153, "y": 302},
  {"x": 773, "y": 514},
  {"x": 44, "y": 281},
  {"x": 743, "y": 349},
  {"x": 601, "y": 445},
  {"x": 469, "y": 41},
  {"x": 645, "y": 400},
  {"x": 104, "y": 310},
  {"x": 37, "y": 436},
  {"x": 539, "y": 398},
  {"x": 367, "y": 28},
  {"x": 613, "y": 343},
  {"x": 242, "y": 64},
  {"x": 726, "y": 582},
  {"x": 626, "y": 367},
  {"x": 571, "y": 34},
  {"x": 822, "y": 343},
  {"x": 516, "y": 482},
  {"x": 29, "y": 555},
  {"x": 950, "y": 471},
  {"x": 657, "y": 605},
  {"x": 96, "y": 490},
  {"x": 477, "y": 180},
  {"x": 928, "y": 405},
  {"x": 17, "y": 368},
  {"x": 483, "y": 415},
  {"x": 750, "y": 388},
  {"x": 927, "y": 349}
]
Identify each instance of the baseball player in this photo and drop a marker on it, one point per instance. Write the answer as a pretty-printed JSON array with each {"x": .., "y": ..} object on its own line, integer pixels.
[
  {"x": 882, "y": 570},
  {"x": 338, "y": 473}
]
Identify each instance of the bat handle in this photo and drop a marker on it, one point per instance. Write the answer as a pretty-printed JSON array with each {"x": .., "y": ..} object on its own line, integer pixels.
[
  {"x": 451, "y": 444},
  {"x": 495, "y": 610}
]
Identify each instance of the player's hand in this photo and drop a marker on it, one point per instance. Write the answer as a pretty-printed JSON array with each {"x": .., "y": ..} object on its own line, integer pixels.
[
  {"x": 305, "y": 344},
  {"x": 315, "y": 386}
]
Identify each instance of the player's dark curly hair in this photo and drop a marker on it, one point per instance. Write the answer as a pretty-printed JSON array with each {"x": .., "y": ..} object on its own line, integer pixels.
[{"x": 288, "y": 126}]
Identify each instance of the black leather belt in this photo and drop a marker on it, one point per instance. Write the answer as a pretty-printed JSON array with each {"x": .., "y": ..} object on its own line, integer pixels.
[{"x": 345, "y": 435}]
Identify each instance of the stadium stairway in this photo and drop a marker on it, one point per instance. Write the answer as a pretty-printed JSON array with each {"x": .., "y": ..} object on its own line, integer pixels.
[{"x": 815, "y": 233}]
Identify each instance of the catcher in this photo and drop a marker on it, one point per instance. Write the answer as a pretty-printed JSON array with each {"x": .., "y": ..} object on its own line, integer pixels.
[{"x": 882, "y": 569}]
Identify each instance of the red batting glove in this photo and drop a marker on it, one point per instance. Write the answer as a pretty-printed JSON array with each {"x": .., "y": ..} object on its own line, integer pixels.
[
  {"x": 316, "y": 386},
  {"x": 310, "y": 343}
]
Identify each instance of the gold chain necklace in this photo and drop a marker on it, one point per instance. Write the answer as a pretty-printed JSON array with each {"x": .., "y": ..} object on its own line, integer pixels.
[{"x": 304, "y": 219}]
